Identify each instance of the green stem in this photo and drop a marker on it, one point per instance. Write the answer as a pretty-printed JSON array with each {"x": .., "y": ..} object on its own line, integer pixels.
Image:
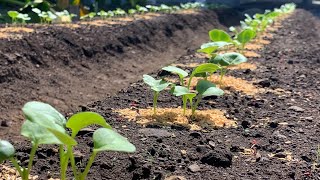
[
  {"x": 155, "y": 100},
  {"x": 196, "y": 104},
  {"x": 64, "y": 159},
  {"x": 73, "y": 163},
  {"x": 26, "y": 172},
  {"x": 222, "y": 73},
  {"x": 184, "y": 101},
  {"x": 181, "y": 82},
  {"x": 87, "y": 169},
  {"x": 16, "y": 165}
]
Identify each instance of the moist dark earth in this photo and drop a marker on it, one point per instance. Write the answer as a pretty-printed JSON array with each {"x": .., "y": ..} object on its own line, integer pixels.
[
  {"x": 283, "y": 129},
  {"x": 71, "y": 67}
]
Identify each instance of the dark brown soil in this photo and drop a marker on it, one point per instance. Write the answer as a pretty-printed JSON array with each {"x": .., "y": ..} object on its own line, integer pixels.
[
  {"x": 70, "y": 67},
  {"x": 282, "y": 129}
]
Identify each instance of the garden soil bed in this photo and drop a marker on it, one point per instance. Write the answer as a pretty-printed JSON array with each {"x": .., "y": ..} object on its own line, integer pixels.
[
  {"x": 71, "y": 65},
  {"x": 276, "y": 137}
]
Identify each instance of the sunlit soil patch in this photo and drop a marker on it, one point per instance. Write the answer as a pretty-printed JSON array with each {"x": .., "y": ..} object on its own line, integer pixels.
[
  {"x": 68, "y": 25},
  {"x": 188, "y": 11},
  {"x": 243, "y": 66},
  {"x": 7, "y": 173},
  {"x": 103, "y": 22},
  {"x": 263, "y": 41},
  {"x": 267, "y": 35},
  {"x": 14, "y": 32},
  {"x": 170, "y": 116},
  {"x": 251, "y": 54},
  {"x": 231, "y": 83},
  {"x": 252, "y": 46}
]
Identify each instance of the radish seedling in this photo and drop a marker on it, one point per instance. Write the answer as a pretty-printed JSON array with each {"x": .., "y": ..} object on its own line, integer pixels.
[
  {"x": 157, "y": 86},
  {"x": 204, "y": 88},
  {"x": 203, "y": 70},
  {"x": 227, "y": 59},
  {"x": 211, "y": 47},
  {"x": 45, "y": 125},
  {"x": 244, "y": 37},
  {"x": 90, "y": 16},
  {"x": 13, "y": 15},
  {"x": 175, "y": 70},
  {"x": 141, "y": 9}
]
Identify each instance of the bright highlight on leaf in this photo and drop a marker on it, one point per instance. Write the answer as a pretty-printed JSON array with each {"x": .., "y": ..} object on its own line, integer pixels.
[{"x": 6, "y": 150}]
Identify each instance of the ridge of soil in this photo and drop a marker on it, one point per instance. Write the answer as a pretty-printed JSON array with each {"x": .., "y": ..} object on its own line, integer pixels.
[
  {"x": 70, "y": 67},
  {"x": 277, "y": 136}
]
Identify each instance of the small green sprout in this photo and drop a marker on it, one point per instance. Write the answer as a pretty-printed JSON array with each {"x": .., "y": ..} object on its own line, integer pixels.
[
  {"x": 131, "y": 12},
  {"x": 227, "y": 59},
  {"x": 23, "y": 18},
  {"x": 203, "y": 70},
  {"x": 153, "y": 8},
  {"x": 157, "y": 86},
  {"x": 141, "y": 9},
  {"x": 45, "y": 125},
  {"x": 175, "y": 70},
  {"x": 211, "y": 47},
  {"x": 90, "y": 16},
  {"x": 119, "y": 12},
  {"x": 217, "y": 35},
  {"x": 103, "y": 14},
  {"x": 204, "y": 88},
  {"x": 14, "y": 16},
  {"x": 244, "y": 37}
]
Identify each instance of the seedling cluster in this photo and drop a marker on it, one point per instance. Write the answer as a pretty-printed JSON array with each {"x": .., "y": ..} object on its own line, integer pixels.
[
  {"x": 220, "y": 40},
  {"x": 45, "y": 125}
]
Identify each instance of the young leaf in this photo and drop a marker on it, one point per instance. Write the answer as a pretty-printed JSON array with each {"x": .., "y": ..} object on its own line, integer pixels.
[
  {"x": 183, "y": 91},
  {"x": 245, "y": 36},
  {"x": 219, "y": 35},
  {"x": 156, "y": 85},
  {"x": 108, "y": 140},
  {"x": 13, "y": 14},
  {"x": 6, "y": 150},
  {"x": 49, "y": 118},
  {"x": 211, "y": 47},
  {"x": 84, "y": 119},
  {"x": 228, "y": 59},
  {"x": 37, "y": 134},
  {"x": 175, "y": 70},
  {"x": 206, "y": 88},
  {"x": 205, "y": 68},
  {"x": 46, "y": 110}
]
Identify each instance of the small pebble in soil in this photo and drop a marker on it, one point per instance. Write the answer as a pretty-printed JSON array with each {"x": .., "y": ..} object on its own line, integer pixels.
[
  {"x": 5, "y": 123},
  {"x": 194, "y": 168},
  {"x": 218, "y": 157},
  {"x": 296, "y": 109}
]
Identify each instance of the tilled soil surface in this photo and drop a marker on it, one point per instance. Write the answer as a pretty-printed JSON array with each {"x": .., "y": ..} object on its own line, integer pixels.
[
  {"x": 277, "y": 136},
  {"x": 70, "y": 67}
]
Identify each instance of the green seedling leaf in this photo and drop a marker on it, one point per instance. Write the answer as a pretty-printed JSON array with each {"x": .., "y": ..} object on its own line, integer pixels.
[
  {"x": 108, "y": 140},
  {"x": 35, "y": 107},
  {"x": 13, "y": 14},
  {"x": 211, "y": 47},
  {"x": 49, "y": 118},
  {"x": 245, "y": 36},
  {"x": 205, "y": 68},
  {"x": 206, "y": 88},
  {"x": 219, "y": 35},
  {"x": 175, "y": 70},
  {"x": 183, "y": 91},
  {"x": 6, "y": 150},
  {"x": 37, "y": 134},
  {"x": 36, "y": 10},
  {"x": 228, "y": 59},
  {"x": 85, "y": 119},
  {"x": 156, "y": 85}
]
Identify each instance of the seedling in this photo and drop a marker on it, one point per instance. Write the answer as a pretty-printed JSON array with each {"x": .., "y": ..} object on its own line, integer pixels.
[
  {"x": 14, "y": 16},
  {"x": 153, "y": 8},
  {"x": 217, "y": 35},
  {"x": 90, "y": 16},
  {"x": 211, "y": 47},
  {"x": 119, "y": 12},
  {"x": 141, "y": 9},
  {"x": 203, "y": 70},
  {"x": 175, "y": 70},
  {"x": 103, "y": 14},
  {"x": 227, "y": 59},
  {"x": 45, "y": 125},
  {"x": 131, "y": 12},
  {"x": 204, "y": 88},
  {"x": 244, "y": 37},
  {"x": 157, "y": 86}
]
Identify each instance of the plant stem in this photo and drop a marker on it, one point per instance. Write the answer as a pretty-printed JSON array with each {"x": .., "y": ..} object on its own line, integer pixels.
[
  {"x": 26, "y": 172},
  {"x": 64, "y": 159},
  {"x": 16, "y": 165},
  {"x": 184, "y": 101},
  {"x": 87, "y": 169},
  {"x": 181, "y": 82},
  {"x": 196, "y": 104},
  {"x": 155, "y": 100},
  {"x": 73, "y": 163},
  {"x": 222, "y": 73}
]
